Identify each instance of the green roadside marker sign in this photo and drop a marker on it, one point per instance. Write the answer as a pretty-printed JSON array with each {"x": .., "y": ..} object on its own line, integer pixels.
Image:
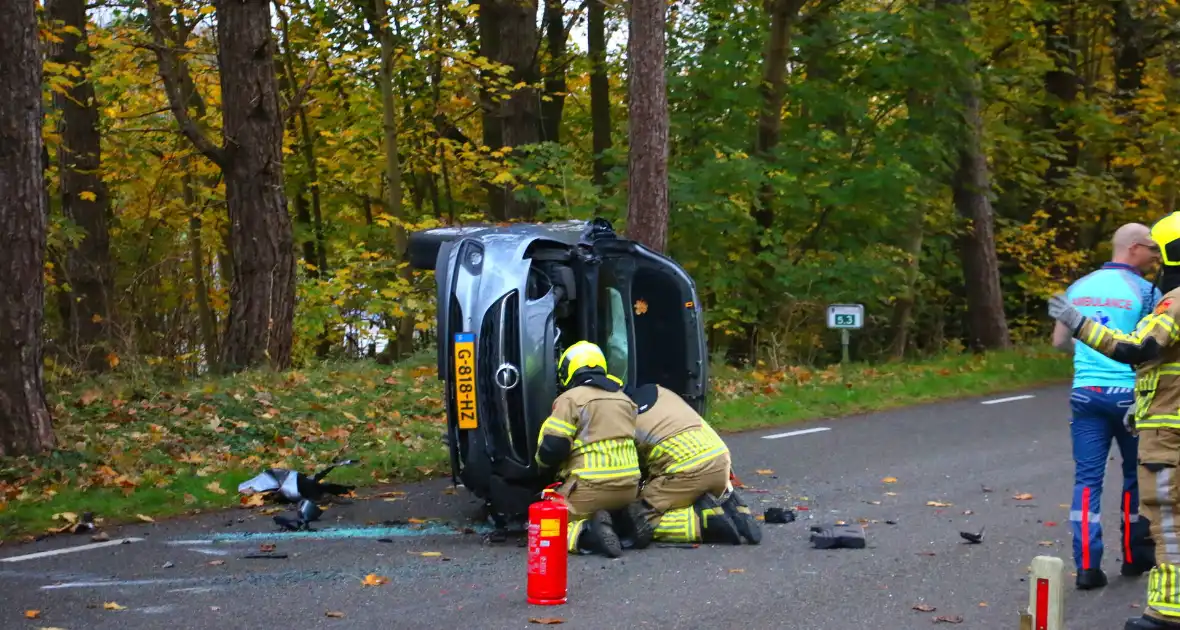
[{"x": 845, "y": 318}]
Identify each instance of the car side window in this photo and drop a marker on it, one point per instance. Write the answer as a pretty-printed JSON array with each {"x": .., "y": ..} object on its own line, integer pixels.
[{"x": 614, "y": 328}]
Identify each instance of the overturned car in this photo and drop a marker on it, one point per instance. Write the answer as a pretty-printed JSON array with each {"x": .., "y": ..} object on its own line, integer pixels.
[{"x": 510, "y": 300}]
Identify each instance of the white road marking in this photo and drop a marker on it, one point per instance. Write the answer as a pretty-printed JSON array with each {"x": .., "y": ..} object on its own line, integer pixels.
[
  {"x": 58, "y": 552},
  {"x": 97, "y": 583},
  {"x": 1009, "y": 399},
  {"x": 794, "y": 433},
  {"x": 211, "y": 552}
]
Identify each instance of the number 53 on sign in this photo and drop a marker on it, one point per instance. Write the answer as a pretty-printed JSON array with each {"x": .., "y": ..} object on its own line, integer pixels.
[{"x": 846, "y": 316}]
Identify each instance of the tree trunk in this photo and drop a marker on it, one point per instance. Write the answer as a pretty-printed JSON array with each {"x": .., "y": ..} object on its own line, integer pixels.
[
  {"x": 261, "y": 252},
  {"x": 508, "y": 35},
  {"x": 1130, "y": 61},
  {"x": 783, "y": 16},
  {"x": 25, "y": 423},
  {"x": 1062, "y": 86},
  {"x": 599, "y": 88},
  {"x": 555, "y": 38},
  {"x": 903, "y": 307},
  {"x": 971, "y": 185},
  {"x": 84, "y": 195},
  {"x": 197, "y": 258},
  {"x": 647, "y": 200},
  {"x": 262, "y": 296}
]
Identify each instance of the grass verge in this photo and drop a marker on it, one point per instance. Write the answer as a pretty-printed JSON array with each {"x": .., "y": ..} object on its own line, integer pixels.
[{"x": 135, "y": 449}]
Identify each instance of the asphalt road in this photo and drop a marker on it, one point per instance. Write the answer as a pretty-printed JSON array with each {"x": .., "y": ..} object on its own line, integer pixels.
[{"x": 945, "y": 453}]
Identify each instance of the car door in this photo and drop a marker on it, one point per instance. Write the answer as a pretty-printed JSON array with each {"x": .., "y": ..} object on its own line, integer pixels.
[{"x": 650, "y": 321}]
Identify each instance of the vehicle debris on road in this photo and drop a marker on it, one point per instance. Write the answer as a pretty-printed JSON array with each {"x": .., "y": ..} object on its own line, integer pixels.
[
  {"x": 838, "y": 536},
  {"x": 779, "y": 515},
  {"x": 295, "y": 486}
]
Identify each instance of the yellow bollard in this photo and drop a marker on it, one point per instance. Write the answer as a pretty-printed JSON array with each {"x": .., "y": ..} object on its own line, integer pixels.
[{"x": 1046, "y": 595}]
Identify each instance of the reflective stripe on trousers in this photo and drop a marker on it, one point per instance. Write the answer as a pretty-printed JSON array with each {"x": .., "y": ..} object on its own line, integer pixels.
[
  {"x": 1159, "y": 453},
  {"x": 678, "y": 526}
]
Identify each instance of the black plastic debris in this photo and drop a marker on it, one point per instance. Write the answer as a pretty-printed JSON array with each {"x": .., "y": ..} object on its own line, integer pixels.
[
  {"x": 973, "y": 539},
  {"x": 779, "y": 515},
  {"x": 294, "y": 486},
  {"x": 838, "y": 537}
]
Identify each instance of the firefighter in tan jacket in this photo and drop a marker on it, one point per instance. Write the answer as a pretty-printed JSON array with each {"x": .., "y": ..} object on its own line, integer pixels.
[
  {"x": 686, "y": 495},
  {"x": 1153, "y": 349},
  {"x": 590, "y": 439}
]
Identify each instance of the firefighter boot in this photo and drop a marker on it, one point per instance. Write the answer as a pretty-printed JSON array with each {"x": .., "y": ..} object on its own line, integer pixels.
[
  {"x": 598, "y": 536},
  {"x": 1150, "y": 623},
  {"x": 1090, "y": 579},
  {"x": 642, "y": 531},
  {"x": 1142, "y": 549},
  {"x": 740, "y": 514},
  {"x": 716, "y": 526}
]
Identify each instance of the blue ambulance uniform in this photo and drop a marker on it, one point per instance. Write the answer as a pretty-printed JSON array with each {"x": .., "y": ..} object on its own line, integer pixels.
[{"x": 1116, "y": 296}]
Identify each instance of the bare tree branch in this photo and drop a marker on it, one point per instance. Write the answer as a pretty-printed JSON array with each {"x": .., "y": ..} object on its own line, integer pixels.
[{"x": 170, "y": 72}]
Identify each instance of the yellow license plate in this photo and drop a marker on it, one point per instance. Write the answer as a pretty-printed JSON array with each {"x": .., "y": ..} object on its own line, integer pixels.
[{"x": 465, "y": 380}]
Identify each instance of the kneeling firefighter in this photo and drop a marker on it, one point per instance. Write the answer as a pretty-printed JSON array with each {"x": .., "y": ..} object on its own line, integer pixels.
[
  {"x": 1153, "y": 349},
  {"x": 686, "y": 495},
  {"x": 590, "y": 438}
]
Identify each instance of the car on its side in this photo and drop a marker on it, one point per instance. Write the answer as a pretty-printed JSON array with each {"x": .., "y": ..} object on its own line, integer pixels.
[{"x": 510, "y": 299}]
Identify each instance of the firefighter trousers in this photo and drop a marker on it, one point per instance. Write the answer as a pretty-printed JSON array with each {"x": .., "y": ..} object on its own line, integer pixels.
[
  {"x": 1159, "y": 491},
  {"x": 671, "y": 498},
  {"x": 1097, "y": 420},
  {"x": 585, "y": 497}
]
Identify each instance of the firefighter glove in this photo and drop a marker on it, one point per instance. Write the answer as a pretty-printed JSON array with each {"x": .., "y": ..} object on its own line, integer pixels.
[
  {"x": 1061, "y": 310},
  {"x": 1129, "y": 419}
]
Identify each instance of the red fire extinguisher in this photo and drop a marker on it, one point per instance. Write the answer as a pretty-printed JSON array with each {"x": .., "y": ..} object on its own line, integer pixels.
[{"x": 548, "y": 552}]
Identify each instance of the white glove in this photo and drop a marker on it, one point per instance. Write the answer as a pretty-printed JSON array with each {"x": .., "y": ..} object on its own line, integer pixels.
[{"x": 1061, "y": 310}]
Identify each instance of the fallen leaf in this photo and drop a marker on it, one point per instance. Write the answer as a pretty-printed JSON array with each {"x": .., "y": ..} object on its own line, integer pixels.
[
  {"x": 983, "y": 604},
  {"x": 266, "y": 547},
  {"x": 334, "y": 614},
  {"x": 100, "y": 537},
  {"x": 146, "y": 519},
  {"x": 890, "y": 494},
  {"x": 1023, "y": 497},
  {"x": 373, "y": 579},
  {"x": 215, "y": 487},
  {"x": 889, "y": 480},
  {"x": 938, "y": 504},
  {"x": 737, "y": 570},
  {"x": 392, "y": 493},
  {"x": 548, "y": 621},
  {"x": 252, "y": 501},
  {"x": 216, "y": 563},
  {"x": 765, "y": 471},
  {"x": 924, "y": 608},
  {"x": 1064, "y": 506},
  {"x": 428, "y": 554},
  {"x": 32, "y": 614},
  {"x": 189, "y": 499},
  {"x": 1046, "y": 543},
  {"x": 89, "y": 397},
  {"x": 640, "y": 307},
  {"x": 949, "y": 619},
  {"x": 113, "y": 606}
]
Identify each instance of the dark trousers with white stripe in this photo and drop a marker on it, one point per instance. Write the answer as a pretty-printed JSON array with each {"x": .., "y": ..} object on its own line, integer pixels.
[{"x": 1097, "y": 419}]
